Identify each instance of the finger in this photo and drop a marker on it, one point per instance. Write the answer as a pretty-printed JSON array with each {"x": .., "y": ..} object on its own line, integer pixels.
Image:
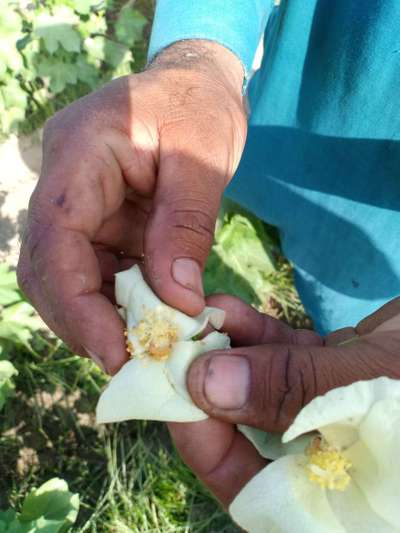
[
  {"x": 387, "y": 318},
  {"x": 66, "y": 276},
  {"x": 180, "y": 230},
  {"x": 108, "y": 263},
  {"x": 218, "y": 454},
  {"x": 266, "y": 386},
  {"x": 124, "y": 230},
  {"x": 340, "y": 336},
  {"x": 248, "y": 327},
  {"x": 81, "y": 185}
]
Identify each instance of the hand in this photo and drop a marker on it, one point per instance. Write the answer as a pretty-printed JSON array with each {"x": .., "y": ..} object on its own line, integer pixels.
[
  {"x": 266, "y": 383},
  {"x": 134, "y": 171}
]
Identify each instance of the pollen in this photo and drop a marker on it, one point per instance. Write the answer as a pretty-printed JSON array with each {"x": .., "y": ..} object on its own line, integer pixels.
[
  {"x": 157, "y": 333},
  {"x": 327, "y": 466}
]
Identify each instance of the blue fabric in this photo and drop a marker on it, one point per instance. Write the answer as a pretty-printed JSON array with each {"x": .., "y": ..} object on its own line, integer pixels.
[
  {"x": 237, "y": 24},
  {"x": 322, "y": 159}
]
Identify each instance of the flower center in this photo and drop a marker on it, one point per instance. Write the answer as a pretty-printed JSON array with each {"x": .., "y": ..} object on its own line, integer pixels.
[
  {"x": 327, "y": 466},
  {"x": 157, "y": 334}
]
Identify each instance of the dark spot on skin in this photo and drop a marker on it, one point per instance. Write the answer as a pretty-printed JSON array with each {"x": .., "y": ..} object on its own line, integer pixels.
[
  {"x": 60, "y": 200},
  {"x": 355, "y": 283}
]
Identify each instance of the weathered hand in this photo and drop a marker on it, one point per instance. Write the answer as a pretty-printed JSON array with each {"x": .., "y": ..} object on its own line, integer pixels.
[
  {"x": 266, "y": 383},
  {"x": 134, "y": 171}
]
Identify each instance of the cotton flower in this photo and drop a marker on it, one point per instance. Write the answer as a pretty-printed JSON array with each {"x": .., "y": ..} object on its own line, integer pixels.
[
  {"x": 152, "y": 385},
  {"x": 337, "y": 467}
]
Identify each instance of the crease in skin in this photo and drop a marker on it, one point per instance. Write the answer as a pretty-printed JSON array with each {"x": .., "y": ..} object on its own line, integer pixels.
[{"x": 349, "y": 341}]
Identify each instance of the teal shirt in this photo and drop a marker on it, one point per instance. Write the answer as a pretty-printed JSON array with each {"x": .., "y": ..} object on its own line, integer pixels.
[{"x": 322, "y": 159}]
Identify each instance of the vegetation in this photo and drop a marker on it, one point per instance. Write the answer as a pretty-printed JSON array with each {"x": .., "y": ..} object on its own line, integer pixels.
[{"x": 54, "y": 51}]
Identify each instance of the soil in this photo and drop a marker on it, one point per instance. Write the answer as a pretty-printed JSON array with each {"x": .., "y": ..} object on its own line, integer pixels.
[{"x": 20, "y": 160}]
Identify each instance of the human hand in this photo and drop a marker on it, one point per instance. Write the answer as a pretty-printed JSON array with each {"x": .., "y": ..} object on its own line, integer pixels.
[
  {"x": 266, "y": 384},
  {"x": 134, "y": 171}
]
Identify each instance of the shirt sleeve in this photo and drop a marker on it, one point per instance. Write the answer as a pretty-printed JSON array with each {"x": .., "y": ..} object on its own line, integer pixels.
[{"x": 236, "y": 24}]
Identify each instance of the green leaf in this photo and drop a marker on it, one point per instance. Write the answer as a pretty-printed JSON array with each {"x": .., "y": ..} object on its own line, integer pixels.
[
  {"x": 117, "y": 54},
  {"x": 17, "y": 322},
  {"x": 83, "y": 7},
  {"x": 51, "y": 508},
  {"x": 8, "y": 286},
  {"x": 13, "y": 101},
  {"x": 129, "y": 26},
  {"x": 96, "y": 23},
  {"x": 57, "y": 73},
  {"x": 9, "y": 522},
  {"x": 95, "y": 49},
  {"x": 7, "y": 371},
  {"x": 10, "y": 33},
  {"x": 241, "y": 259},
  {"x": 58, "y": 29},
  {"x": 87, "y": 73},
  {"x": 101, "y": 49}
]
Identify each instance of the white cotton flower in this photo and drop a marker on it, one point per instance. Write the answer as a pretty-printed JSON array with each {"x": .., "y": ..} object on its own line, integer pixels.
[
  {"x": 152, "y": 385},
  {"x": 336, "y": 469}
]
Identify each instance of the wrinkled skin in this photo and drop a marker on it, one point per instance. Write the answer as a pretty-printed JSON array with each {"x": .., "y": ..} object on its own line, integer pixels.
[
  {"x": 133, "y": 172},
  {"x": 288, "y": 368}
]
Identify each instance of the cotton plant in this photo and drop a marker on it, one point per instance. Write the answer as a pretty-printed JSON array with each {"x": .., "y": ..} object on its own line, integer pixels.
[
  {"x": 336, "y": 468},
  {"x": 162, "y": 343}
]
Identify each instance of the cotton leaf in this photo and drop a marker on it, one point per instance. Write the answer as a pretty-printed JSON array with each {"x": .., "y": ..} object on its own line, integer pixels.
[
  {"x": 51, "y": 507},
  {"x": 58, "y": 29},
  {"x": 83, "y": 7},
  {"x": 11, "y": 25},
  {"x": 116, "y": 53},
  {"x": 8, "y": 286},
  {"x": 14, "y": 102},
  {"x": 240, "y": 262},
  {"x": 87, "y": 72},
  {"x": 17, "y": 322},
  {"x": 129, "y": 26},
  {"x": 7, "y": 371},
  {"x": 57, "y": 73}
]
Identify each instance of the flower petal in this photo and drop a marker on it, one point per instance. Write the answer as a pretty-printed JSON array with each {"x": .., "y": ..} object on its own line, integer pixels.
[
  {"x": 344, "y": 408},
  {"x": 354, "y": 513},
  {"x": 142, "y": 391},
  {"x": 129, "y": 280},
  {"x": 376, "y": 459},
  {"x": 185, "y": 352},
  {"x": 281, "y": 499},
  {"x": 133, "y": 293},
  {"x": 270, "y": 445}
]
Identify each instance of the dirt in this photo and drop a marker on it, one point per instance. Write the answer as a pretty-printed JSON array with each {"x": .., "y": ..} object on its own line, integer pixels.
[{"x": 20, "y": 160}]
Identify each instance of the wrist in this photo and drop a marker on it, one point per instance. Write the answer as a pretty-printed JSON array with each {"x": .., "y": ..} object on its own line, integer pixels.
[{"x": 206, "y": 58}]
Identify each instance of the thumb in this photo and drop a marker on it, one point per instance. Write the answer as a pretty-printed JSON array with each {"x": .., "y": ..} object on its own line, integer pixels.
[
  {"x": 180, "y": 230},
  {"x": 267, "y": 386}
]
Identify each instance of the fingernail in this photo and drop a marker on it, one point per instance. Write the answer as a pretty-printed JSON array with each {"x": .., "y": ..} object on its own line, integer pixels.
[
  {"x": 96, "y": 359},
  {"x": 187, "y": 273},
  {"x": 227, "y": 381}
]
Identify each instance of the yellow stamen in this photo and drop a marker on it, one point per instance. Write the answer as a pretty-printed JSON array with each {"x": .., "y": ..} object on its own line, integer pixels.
[
  {"x": 157, "y": 334},
  {"x": 327, "y": 466}
]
